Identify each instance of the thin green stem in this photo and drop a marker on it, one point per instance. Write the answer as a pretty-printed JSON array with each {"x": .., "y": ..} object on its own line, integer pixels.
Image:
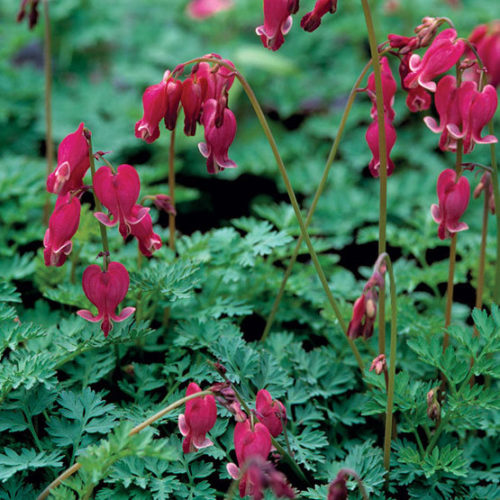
[
  {"x": 291, "y": 194},
  {"x": 496, "y": 195},
  {"x": 392, "y": 367},
  {"x": 319, "y": 191},
  {"x": 171, "y": 188},
  {"x": 449, "y": 289},
  {"x": 102, "y": 227},
  {"x": 74, "y": 468},
  {"x": 482, "y": 256},
  {"x": 383, "y": 159},
  {"x": 47, "y": 64}
]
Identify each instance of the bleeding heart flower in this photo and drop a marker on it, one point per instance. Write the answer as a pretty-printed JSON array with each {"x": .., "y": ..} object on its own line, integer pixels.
[
  {"x": 313, "y": 19},
  {"x": 72, "y": 164},
  {"x": 106, "y": 289},
  {"x": 389, "y": 88},
  {"x": 270, "y": 413},
  {"x": 199, "y": 418},
  {"x": 372, "y": 140},
  {"x": 248, "y": 444},
  {"x": 63, "y": 224},
  {"x": 443, "y": 53},
  {"x": 463, "y": 112},
  {"x": 453, "y": 199},
  {"x": 148, "y": 241},
  {"x": 118, "y": 193},
  {"x": 277, "y": 22},
  {"x": 159, "y": 101},
  {"x": 217, "y": 138}
]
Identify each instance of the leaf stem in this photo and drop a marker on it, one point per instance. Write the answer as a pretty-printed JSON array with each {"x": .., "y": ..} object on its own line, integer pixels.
[
  {"x": 383, "y": 160},
  {"x": 47, "y": 65},
  {"x": 74, "y": 468},
  {"x": 319, "y": 191},
  {"x": 171, "y": 188}
]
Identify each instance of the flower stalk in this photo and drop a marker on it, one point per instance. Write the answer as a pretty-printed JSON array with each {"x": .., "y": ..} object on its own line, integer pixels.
[
  {"x": 383, "y": 158},
  {"x": 291, "y": 194},
  {"x": 319, "y": 191},
  {"x": 171, "y": 189},
  {"x": 102, "y": 227}
]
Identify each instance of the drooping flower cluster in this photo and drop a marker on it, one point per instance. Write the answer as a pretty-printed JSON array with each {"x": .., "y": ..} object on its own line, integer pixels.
[
  {"x": 453, "y": 196},
  {"x": 278, "y": 19},
  {"x": 388, "y": 91},
  {"x": 204, "y": 98},
  {"x": 252, "y": 439},
  {"x": 33, "y": 15},
  {"x": 118, "y": 192},
  {"x": 463, "y": 112},
  {"x": 67, "y": 182}
]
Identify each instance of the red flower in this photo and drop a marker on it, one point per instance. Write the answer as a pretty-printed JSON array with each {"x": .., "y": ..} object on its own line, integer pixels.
[
  {"x": 313, "y": 19},
  {"x": 270, "y": 413},
  {"x": 201, "y": 9},
  {"x": 453, "y": 200},
  {"x": 249, "y": 444},
  {"x": 418, "y": 99},
  {"x": 486, "y": 39},
  {"x": 33, "y": 15},
  {"x": 118, "y": 193},
  {"x": 364, "y": 313},
  {"x": 148, "y": 241},
  {"x": 389, "y": 88},
  {"x": 63, "y": 224},
  {"x": 218, "y": 138},
  {"x": 277, "y": 22},
  {"x": 199, "y": 418},
  {"x": 463, "y": 112},
  {"x": 372, "y": 140},
  {"x": 72, "y": 164},
  {"x": 159, "y": 101},
  {"x": 106, "y": 289},
  {"x": 442, "y": 54},
  {"x": 338, "y": 487},
  {"x": 194, "y": 90}
]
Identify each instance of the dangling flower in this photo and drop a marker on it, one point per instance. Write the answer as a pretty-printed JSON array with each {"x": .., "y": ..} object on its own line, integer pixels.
[
  {"x": 72, "y": 164},
  {"x": 389, "y": 88},
  {"x": 248, "y": 444},
  {"x": 118, "y": 193},
  {"x": 63, "y": 224},
  {"x": 277, "y": 22},
  {"x": 486, "y": 39},
  {"x": 198, "y": 419},
  {"x": 160, "y": 101},
  {"x": 106, "y": 289},
  {"x": 148, "y": 240},
  {"x": 33, "y": 15},
  {"x": 442, "y": 54},
  {"x": 270, "y": 413},
  {"x": 463, "y": 112},
  {"x": 372, "y": 140},
  {"x": 486, "y": 186},
  {"x": 313, "y": 19},
  {"x": 217, "y": 138},
  {"x": 453, "y": 200}
]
